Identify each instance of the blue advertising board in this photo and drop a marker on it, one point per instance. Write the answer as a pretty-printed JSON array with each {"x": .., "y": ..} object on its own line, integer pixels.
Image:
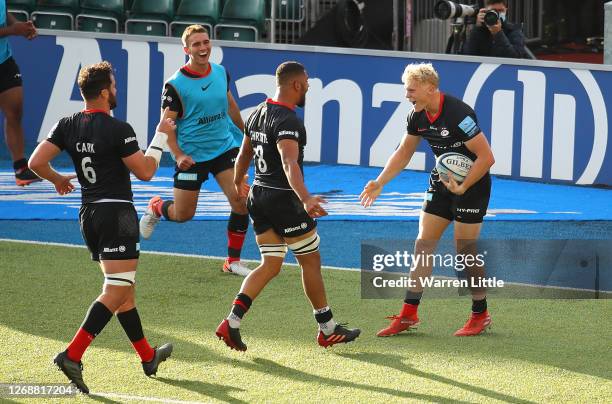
[{"x": 545, "y": 121}]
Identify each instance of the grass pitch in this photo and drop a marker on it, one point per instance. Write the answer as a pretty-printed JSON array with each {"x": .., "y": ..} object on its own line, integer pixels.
[{"x": 537, "y": 350}]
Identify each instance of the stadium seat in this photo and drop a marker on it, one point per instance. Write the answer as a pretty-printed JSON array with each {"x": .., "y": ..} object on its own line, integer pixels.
[
  {"x": 55, "y": 14},
  {"x": 286, "y": 10},
  {"x": 203, "y": 12},
  {"x": 241, "y": 20},
  {"x": 150, "y": 17},
  {"x": 21, "y": 9},
  {"x": 100, "y": 15}
]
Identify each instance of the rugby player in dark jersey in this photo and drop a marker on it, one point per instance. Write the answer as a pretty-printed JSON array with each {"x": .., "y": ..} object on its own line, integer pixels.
[
  {"x": 448, "y": 125},
  {"x": 104, "y": 151},
  {"x": 282, "y": 209}
]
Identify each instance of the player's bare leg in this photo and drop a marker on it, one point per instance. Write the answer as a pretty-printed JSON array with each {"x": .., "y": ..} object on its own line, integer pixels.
[
  {"x": 116, "y": 290},
  {"x": 117, "y": 297},
  {"x": 269, "y": 267},
  {"x": 273, "y": 250},
  {"x": 466, "y": 236},
  {"x": 181, "y": 209},
  {"x": 128, "y": 316},
  {"x": 237, "y": 225},
  {"x": 306, "y": 251},
  {"x": 114, "y": 295},
  {"x": 431, "y": 228},
  {"x": 120, "y": 298},
  {"x": 312, "y": 279},
  {"x": 11, "y": 104}
]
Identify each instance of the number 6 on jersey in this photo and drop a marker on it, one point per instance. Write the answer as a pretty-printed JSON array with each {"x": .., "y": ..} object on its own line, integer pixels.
[{"x": 88, "y": 172}]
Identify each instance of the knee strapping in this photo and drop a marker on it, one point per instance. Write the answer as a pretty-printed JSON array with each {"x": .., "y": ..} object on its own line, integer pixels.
[
  {"x": 120, "y": 279},
  {"x": 273, "y": 250},
  {"x": 306, "y": 246}
]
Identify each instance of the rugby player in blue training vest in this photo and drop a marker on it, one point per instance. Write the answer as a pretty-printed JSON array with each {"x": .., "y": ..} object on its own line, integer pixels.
[
  {"x": 448, "y": 125},
  {"x": 11, "y": 94},
  {"x": 209, "y": 132},
  {"x": 104, "y": 151},
  {"x": 282, "y": 209}
]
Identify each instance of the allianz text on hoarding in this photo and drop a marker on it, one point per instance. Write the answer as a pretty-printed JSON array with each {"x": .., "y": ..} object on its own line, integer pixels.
[{"x": 546, "y": 123}]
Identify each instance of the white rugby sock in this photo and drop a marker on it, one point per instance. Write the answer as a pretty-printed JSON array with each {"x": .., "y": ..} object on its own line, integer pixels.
[
  {"x": 233, "y": 320},
  {"x": 326, "y": 327}
]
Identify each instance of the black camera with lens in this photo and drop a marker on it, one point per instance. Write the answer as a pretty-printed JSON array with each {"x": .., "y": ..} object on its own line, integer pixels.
[{"x": 491, "y": 17}]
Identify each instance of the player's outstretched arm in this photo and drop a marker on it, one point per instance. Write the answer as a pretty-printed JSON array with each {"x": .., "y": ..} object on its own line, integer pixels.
[
  {"x": 40, "y": 163},
  {"x": 396, "y": 163},
  {"x": 484, "y": 160},
  {"x": 243, "y": 161},
  {"x": 144, "y": 165},
  {"x": 289, "y": 152}
]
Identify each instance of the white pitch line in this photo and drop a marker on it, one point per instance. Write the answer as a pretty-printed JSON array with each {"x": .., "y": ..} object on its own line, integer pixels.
[
  {"x": 287, "y": 264},
  {"x": 171, "y": 254},
  {"x": 144, "y": 398}
]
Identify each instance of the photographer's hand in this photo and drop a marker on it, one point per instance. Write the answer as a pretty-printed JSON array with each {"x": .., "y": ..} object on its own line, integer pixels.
[
  {"x": 480, "y": 17},
  {"x": 494, "y": 29}
]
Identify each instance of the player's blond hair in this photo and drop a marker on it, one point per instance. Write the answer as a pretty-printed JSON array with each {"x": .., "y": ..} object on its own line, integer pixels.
[
  {"x": 422, "y": 73},
  {"x": 190, "y": 30}
]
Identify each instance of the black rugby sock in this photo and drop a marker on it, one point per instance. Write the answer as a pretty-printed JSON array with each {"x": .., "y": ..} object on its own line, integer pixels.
[{"x": 479, "y": 306}]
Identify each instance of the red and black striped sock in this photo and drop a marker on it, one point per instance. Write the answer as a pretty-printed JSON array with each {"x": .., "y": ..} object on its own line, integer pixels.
[
  {"x": 237, "y": 227},
  {"x": 130, "y": 321},
  {"x": 242, "y": 304},
  {"x": 479, "y": 306},
  {"x": 163, "y": 209},
  {"x": 19, "y": 165},
  {"x": 96, "y": 319}
]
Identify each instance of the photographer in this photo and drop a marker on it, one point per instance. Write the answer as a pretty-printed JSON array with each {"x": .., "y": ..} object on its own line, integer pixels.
[{"x": 495, "y": 36}]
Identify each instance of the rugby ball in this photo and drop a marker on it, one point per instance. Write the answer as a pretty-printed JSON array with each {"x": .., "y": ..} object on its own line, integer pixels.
[{"x": 454, "y": 164}]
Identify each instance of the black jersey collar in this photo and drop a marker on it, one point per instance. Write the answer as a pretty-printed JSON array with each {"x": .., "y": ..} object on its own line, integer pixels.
[{"x": 271, "y": 101}]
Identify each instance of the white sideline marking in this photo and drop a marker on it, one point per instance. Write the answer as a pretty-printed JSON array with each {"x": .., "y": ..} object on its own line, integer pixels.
[
  {"x": 144, "y": 398},
  {"x": 288, "y": 264},
  {"x": 212, "y": 257}
]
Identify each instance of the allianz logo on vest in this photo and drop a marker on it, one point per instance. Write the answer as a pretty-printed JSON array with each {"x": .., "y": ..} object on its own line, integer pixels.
[{"x": 549, "y": 139}]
